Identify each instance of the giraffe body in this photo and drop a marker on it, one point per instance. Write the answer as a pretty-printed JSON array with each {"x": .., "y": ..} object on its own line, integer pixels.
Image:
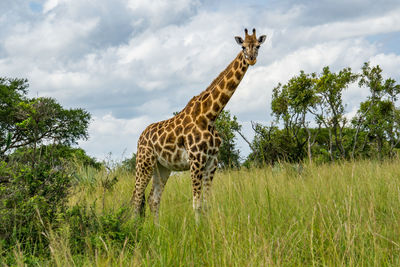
[{"x": 189, "y": 141}]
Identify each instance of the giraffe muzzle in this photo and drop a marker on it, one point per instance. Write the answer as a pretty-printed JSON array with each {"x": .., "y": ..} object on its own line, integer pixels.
[{"x": 252, "y": 61}]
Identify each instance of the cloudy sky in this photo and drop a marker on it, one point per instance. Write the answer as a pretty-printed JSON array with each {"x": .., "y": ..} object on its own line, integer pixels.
[{"x": 134, "y": 62}]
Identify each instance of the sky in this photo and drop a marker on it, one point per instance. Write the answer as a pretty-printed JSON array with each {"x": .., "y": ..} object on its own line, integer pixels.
[{"x": 134, "y": 62}]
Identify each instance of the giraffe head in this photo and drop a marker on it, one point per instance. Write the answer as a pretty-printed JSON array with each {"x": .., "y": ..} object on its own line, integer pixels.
[{"x": 250, "y": 45}]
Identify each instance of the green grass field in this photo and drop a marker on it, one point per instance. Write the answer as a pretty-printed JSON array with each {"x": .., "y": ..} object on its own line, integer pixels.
[{"x": 344, "y": 214}]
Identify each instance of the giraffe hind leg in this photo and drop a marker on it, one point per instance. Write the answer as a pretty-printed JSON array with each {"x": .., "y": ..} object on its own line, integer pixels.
[
  {"x": 145, "y": 161},
  {"x": 160, "y": 177},
  {"x": 208, "y": 176}
]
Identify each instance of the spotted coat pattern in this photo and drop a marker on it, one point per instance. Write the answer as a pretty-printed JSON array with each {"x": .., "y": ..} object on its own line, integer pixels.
[{"x": 189, "y": 141}]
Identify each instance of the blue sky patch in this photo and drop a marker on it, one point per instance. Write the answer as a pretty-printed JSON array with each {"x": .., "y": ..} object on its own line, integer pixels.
[{"x": 35, "y": 6}]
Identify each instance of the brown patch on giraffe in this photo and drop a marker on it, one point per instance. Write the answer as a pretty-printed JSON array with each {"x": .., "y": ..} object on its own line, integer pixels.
[
  {"x": 238, "y": 75},
  {"x": 197, "y": 135},
  {"x": 240, "y": 56},
  {"x": 229, "y": 75},
  {"x": 188, "y": 110},
  {"x": 162, "y": 138},
  {"x": 180, "y": 141},
  {"x": 224, "y": 98},
  {"x": 170, "y": 138},
  {"x": 178, "y": 130},
  {"x": 211, "y": 142},
  {"x": 190, "y": 140},
  {"x": 222, "y": 83},
  {"x": 215, "y": 93},
  {"x": 202, "y": 146},
  {"x": 235, "y": 66},
  {"x": 196, "y": 109},
  {"x": 202, "y": 122},
  {"x": 206, "y": 135},
  {"x": 243, "y": 68},
  {"x": 154, "y": 137},
  {"x": 169, "y": 148},
  {"x": 205, "y": 96},
  {"x": 187, "y": 120},
  {"x": 188, "y": 128},
  {"x": 206, "y": 104},
  {"x": 144, "y": 142},
  {"x": 231, "y": 85},
  {"x": 211, "y": 116},
  {"x": 157, "y": 147},
  {"x": 197, "y": 164},
  {"x": 169, "y": 127},
  {"x": 216, "y": 107}
]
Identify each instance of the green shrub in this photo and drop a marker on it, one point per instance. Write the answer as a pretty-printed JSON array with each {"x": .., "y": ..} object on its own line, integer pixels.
[
  {"x": 31, "y": 198},
  {"x": 89, "y": 230}
]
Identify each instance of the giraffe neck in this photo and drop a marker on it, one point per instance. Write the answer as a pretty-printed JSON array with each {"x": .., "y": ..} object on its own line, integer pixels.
[{"x": 212, "y": 101}]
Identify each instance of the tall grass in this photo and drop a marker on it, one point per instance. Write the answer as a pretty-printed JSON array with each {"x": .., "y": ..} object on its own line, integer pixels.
[{"x": 330, "y": 215}]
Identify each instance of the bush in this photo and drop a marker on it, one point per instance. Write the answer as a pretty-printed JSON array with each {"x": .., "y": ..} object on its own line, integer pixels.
[
  {"x": 89, "y": 230},
  {"x": 31, "y": 199}
]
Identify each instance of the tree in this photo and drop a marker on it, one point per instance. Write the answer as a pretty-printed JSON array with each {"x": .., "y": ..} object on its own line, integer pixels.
[
  {"x": 292, "y": 103},
  {"x": 378, "y": 115},
  {"x": 35, "y": 176},
  {"x": 226, "y": 125},
  {"x": 329, "y": 88},
  {"x": 35, "y": 121},
  {"x": 270, "y": 145}
]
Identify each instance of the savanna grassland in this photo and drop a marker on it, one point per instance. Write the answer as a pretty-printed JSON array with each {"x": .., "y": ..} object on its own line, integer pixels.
[{"x": 342, "y": 214}]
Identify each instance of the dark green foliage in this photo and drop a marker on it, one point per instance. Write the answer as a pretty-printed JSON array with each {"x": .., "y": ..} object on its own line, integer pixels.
[
  {"x": 30, "y": 200},
  {"x": 271, "y": 145},
  {"x": 35, "y": 179},
  {"x": 57, "y": 155},
  {"x": 226, "y": 126},
  {"x": 25, "y": 121},
  {"x": 311, "y": 110},
  {"x": 87, "y": 230},
  {"x": 378, "y": 115},
  {"x": 130, "y": 163}
]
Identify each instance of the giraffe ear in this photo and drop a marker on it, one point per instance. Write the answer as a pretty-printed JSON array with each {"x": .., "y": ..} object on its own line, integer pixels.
[
  {"x": 239, "y": 40},
  {"x": 262, "y": 38}
]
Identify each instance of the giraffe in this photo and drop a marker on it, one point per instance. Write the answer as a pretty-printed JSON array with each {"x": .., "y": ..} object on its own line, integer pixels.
[{"x": 189, "y": 141}]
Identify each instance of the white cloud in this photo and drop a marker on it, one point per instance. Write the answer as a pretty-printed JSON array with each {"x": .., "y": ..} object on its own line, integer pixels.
[
  {"x": 50, "y": 5},
  {"x": 118, "y": 136},
  {"x": 256, "y": 87},
  {"x": 133, "y": 62}
]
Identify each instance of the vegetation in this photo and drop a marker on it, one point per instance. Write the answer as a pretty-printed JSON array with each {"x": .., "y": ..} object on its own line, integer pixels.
[
  {"x": 333, "y": 214},
  {"x": 226, "y": 126},
  {"x": 319, "y": 188},
  {"x": 311, "y": 111},
  {"x": 35, "y": 166}
]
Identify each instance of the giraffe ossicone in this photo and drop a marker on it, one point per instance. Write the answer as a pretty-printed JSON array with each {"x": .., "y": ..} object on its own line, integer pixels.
[{"x": 189, "y": 141}]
